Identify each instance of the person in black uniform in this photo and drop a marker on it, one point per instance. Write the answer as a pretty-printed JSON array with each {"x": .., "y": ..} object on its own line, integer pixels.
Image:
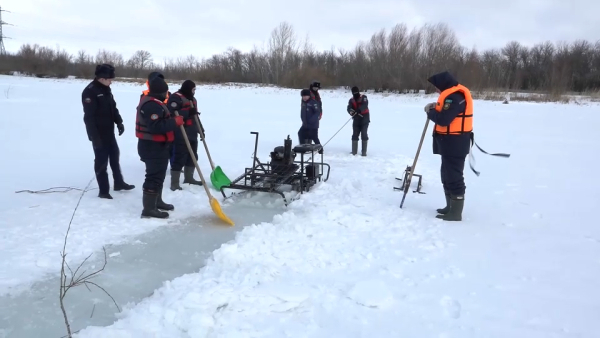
[
  {"x": 315, "y": 95},
  {"x": 184, "y": 103},
  {"x": 358, "y": 108},
  {"x": 100, "y": 114},
  {"x": 154, "y": 129},
  {"x": 309, "y": 114}
]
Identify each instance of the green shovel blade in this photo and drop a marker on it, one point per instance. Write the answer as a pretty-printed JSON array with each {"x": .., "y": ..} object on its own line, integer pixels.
[{"x": 219, "y": 179}]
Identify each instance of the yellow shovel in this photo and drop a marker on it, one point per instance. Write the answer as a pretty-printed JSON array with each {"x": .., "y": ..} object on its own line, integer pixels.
[{"x": 214, "y": 204}]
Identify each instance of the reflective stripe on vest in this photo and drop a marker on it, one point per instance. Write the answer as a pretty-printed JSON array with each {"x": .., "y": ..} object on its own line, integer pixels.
[
  {"x": 187, "y": 105},
  {"x": 463, "y": 122},
  {"x": 141, "y": 130},
  {"x": 355, "y": 105}
]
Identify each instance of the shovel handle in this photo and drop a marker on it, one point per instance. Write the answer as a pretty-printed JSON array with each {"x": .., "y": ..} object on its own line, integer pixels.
[
  {"x": 189, "y": 146},
  {"x": 197, "y": 120}
]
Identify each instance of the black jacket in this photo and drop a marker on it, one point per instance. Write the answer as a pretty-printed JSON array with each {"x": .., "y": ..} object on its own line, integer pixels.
[{"x": 100, "y": 113}]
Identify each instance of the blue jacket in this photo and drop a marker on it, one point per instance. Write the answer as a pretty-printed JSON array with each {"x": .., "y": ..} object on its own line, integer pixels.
[{"x": 309, "y": 113}]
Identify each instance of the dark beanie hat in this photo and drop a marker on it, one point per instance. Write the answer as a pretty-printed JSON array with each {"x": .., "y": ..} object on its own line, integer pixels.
[
  {"x": 158, "y": 86},
  {"x": 355, "y": 90},
  {"x": 305, "y": 92},
  {"x": 186, "y": 88},
  {"x": 105, "y": 71},
  {"x": 155, "y": 74}
]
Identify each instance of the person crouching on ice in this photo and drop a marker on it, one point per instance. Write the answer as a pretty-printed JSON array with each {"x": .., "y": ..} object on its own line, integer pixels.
[{"x": 309, "y": 113}]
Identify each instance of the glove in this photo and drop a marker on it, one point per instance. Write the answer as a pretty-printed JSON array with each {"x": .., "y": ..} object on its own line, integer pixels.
[
  {"x": 121, "y": 128},
  {"x": 96, "y": 143},
  {"x": 429, "y": 106},
  {"x": 179, "y": 120},
  {"x": 352, "y": 112}
]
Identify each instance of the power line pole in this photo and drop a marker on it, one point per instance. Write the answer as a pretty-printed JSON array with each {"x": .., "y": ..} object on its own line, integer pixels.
[{"x": 2, "y": 37}]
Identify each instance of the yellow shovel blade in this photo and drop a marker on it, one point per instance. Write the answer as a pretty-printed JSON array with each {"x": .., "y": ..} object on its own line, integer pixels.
[{"x": 214, "y": 204}]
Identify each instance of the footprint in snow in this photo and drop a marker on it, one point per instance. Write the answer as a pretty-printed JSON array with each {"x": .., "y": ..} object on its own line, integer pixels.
[{"x": 451, "y": 307}]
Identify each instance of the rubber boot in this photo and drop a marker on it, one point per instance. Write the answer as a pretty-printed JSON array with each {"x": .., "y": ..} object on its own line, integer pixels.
[
  {"x": 445, "y": 209},
  {"x": 160, "y": 204},
  {"x": 188, "y": 176},
  {"x": 456, "y": 207},
  {"x": 354, "y": 147},
  {"x": 149, "y": 200},
  {"x": 175, "y": 175},
  {"x": 364, "y": 147}
]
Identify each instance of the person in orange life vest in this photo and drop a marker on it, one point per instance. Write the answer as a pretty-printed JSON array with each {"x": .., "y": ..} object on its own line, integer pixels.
[
  {"x": 358, "y": 108},
  {"x": 314, "y": 94},
  {"x": 150, "y": 77},
  {"x": 100, "y": 114},
  {"x": 154, "y": 128},
  {"x": 453, "y": 118},
  {"x": 184, "y": 102}
]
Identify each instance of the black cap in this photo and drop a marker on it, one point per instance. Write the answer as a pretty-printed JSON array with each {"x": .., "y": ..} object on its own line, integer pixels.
[
  {"x": 305, "y": 92},
  {"x": 158, "y": 86},
  {"x": 355, "y": 90},
  {"x": 315, "y": 84},
  {"x": 105, "y": 71}
]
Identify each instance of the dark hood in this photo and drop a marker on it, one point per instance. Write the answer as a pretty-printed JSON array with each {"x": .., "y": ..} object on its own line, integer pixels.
[
  {"x": 443, "y": 81},
  {"x": 186, "y": 89}
]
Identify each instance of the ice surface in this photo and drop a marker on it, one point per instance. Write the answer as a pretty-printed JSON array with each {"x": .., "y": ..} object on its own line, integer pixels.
[
  {"x": 134, "y": 270},
  {"x": 343, "y": 260}
]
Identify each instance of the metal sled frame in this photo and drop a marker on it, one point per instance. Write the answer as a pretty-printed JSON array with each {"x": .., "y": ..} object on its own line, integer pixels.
[
  {"x": 262, "y": 178},
  {"x": 405, "y": 179}
]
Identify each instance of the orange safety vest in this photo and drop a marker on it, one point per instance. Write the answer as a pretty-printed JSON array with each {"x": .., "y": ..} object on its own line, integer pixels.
[
  {"x": 463, "y": 122},
  {"x": 147, "y": 91}
]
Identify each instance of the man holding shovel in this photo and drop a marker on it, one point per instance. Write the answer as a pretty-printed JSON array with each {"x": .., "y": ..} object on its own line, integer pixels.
[
  {"x": 453, "y": 118},
  {"x": 184, "y": 102}
]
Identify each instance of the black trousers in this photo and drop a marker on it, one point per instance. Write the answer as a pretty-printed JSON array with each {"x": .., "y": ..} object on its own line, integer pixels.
[
  {"x": 181, "y": 155},
  {"x": 107, "y": 154},
  {"x": 308, "y": 134},
  {"x": 451, "y": 171},
  {"x": 155, "y": 156},
  {"x": 360, "y": 126}
]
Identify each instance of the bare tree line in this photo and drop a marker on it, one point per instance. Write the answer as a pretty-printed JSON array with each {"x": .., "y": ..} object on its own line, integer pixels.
[{"x": 399, "y": 60}]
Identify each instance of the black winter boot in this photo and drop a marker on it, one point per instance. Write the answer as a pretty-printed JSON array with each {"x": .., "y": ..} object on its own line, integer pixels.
[
  {"x": 456, "y": 207},
  {"x": 188, "y": 176},
  {"x": 123, "y": 186},
  {"x": 149, "y": 201},
  {"x": 106, "y": 196},
  {"x": 175, "y": 175},
  {"x": 160, "y": 204},
  {"x": 354, "y": 147},
  {"x": 364, "y": 147},
  {"x": 445, "y": 209}
]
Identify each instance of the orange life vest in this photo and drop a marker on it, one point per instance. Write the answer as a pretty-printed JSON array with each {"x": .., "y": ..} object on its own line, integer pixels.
[
  {"x": 463, "y": 122},
  {"x": 147, "y": 91}
]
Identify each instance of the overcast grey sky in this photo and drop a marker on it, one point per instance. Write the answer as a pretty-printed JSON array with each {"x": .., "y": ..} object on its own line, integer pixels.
[{"x": 172, "y": 28}]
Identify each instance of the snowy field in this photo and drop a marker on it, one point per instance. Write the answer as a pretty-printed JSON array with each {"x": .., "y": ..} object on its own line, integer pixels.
[{"x": 342, "y": 261}]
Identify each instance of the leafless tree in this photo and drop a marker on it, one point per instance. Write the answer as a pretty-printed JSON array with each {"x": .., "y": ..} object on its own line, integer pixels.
[{"x": 399, "y": 60}]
